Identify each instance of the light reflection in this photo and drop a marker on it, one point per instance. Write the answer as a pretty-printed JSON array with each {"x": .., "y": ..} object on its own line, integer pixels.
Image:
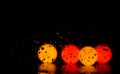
[
  {"x": 70, "y": 69},
  {"x": 47, "y": 68},
  {"x": 74, "y": 69},
  {"x": 103, "y": 68},
  {"x": 88, "y": 70}
]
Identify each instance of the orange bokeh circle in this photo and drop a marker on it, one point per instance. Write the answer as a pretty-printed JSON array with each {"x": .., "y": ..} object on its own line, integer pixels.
[{"x": 88, "y": 55}]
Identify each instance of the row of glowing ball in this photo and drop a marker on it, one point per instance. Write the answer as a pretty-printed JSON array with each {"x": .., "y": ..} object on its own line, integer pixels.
[{"x": 71, "y": 54}]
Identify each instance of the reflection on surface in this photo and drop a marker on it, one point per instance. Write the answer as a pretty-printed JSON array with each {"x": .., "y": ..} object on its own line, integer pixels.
[
  {"x": 46, "y": 68},
  {"x": 88, "y": 70},
  {"x": 103, "y": 68},
  {"x": 70, "y": 69},
  {"x": 74, "y": 69}
]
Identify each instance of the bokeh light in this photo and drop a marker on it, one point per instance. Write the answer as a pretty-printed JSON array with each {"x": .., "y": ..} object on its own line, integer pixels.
[
  {"x": 47, "y": 53},
  {"x": 88, "y": 55},
  {"x": 104, "y": 53},
  {"x": 47, "y": 68},
  {"x": 103, "y": 68},
  {"x": 70, "y": 54},
  {"x": 70, "y": 69}
]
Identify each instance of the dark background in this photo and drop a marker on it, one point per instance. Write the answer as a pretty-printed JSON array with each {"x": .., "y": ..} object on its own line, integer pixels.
[{"x": 32, "y": 26}]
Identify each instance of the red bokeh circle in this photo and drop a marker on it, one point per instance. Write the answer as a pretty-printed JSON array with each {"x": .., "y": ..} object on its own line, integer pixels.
[
  {"x": 104, "y": 53},
  {"x": 69, "y": 54}
]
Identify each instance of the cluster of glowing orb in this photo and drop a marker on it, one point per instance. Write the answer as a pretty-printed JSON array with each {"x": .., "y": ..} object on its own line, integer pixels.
[{"x": 71, "y": 54}]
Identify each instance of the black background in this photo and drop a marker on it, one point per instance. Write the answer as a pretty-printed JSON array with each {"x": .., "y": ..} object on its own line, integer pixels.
[{"x": 80, "y": 24}]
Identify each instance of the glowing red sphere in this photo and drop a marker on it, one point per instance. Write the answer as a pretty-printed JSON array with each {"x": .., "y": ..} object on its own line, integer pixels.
[
  {"x": 69, "y": 54},
  {"x": 104, "y": 53}
]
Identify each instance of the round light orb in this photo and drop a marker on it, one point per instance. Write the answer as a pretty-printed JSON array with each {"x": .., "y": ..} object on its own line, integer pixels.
[
  {"x": 47, "y": 53},
  {"x": 88, "y": 55},
  {"x": 69, "y": 54},
  {"x": 104, "y": 53}
]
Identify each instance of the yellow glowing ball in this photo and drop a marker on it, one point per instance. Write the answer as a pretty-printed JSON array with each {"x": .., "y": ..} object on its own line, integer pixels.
[
  {"x": 88, "y": 55},
  {"x": 47, "y": 68},
  {"x": 47, "y": 53},
  {"x": 88, "y": 70}
]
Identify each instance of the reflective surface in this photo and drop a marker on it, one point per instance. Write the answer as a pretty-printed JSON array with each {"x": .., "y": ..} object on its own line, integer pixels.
[
  {"x": 88, "y": 70},
  {"x": 103, "y": 68},
  {"x": 45, "y": 68},
  {"x": 70, "y": 69},
  {"x": 74, "y": 69}
]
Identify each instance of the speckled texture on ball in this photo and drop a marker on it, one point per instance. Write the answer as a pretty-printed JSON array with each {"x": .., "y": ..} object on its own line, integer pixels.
[
  {"x": 70, "y": 54},
  {"x": 88, "y": 55},
  {"x": 47, "y": 53}
]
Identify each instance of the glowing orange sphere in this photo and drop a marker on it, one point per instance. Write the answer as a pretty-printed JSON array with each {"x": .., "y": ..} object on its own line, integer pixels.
[
  {"x": 88, "y": 55},
  {"x": 47, "y": 53},
  {"x": 104, "y": 53},
  {"x": 70, "y": 54}
]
